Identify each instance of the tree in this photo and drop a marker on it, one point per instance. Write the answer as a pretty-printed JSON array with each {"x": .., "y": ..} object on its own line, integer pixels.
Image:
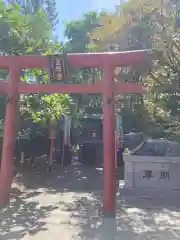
[
  {"x": 77, "y": 31},
  {"x": 111, "y": 25},
  {"x": 163, "y": 78},
  {"x": 152, "y": 26},
  {"x": 32, "y": 6},
  {"x": 20, "y": 33},
  {"x": 24, "y": 34},
  {"x": 44, "y": 108},
  {"x": 78, "y": 40},
  {"x": 50, "y": 8}
]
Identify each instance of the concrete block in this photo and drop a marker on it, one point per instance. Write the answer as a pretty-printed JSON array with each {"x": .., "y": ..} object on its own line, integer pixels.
[{"x": 152, "y": 172}]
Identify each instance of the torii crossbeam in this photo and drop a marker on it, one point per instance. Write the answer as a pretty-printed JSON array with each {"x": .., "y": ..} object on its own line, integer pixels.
[{"x": 14, "y": 87}]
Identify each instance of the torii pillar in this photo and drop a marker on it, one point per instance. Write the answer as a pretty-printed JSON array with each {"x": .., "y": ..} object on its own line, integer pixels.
[
  {"x": 9, "y": 133},
  {"x": 109, "y": 142}
]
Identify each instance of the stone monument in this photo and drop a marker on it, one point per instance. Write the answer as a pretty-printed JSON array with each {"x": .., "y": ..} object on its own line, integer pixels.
[{"x": 152, "y": 172}]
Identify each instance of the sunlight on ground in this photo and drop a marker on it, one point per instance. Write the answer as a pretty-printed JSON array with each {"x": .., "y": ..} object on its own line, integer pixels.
[{"x": 69, "y": 207}]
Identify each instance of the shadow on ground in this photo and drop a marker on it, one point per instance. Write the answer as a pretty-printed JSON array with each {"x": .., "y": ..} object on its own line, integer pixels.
[
  {"x": 134, "y": 220},
  {"x": 25, "y": 213},
  {"x": 69, "y": 179},
  {"x": 68, "y": 203},
  {"x": 21, "y": 218}
]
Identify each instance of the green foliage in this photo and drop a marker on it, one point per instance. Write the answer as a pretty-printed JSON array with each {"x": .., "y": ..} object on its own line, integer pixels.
[
  {"x": 77, "y": 32},
  {"x": 32, "y": 6},
  {"x": 51, "y": 107},
  {"x": 160, "y": 106},
  {"x": 78, "y": 40},
  {"x": 23, "y": 34},
  {"x": 145, "y": 25},
  {"x": 25, "y": 31}
]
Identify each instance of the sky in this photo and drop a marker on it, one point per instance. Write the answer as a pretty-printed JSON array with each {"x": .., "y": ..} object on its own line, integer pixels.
[{"x": 70, "y": 10}]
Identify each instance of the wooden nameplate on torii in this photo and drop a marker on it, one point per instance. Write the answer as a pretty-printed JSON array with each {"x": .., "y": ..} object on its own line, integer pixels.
[{"x": 59, "y": 67}]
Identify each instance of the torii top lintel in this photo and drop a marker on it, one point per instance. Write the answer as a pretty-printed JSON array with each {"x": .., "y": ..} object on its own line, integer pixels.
[
  {"x": 78, "y": 60},
  {"x": 128, "y": 58}
]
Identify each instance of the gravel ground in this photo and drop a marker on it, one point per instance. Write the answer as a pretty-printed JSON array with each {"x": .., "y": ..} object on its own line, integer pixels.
[{"x": 66, "y": 204}]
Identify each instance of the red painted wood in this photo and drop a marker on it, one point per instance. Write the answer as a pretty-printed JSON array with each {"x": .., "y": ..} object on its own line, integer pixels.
[
  {"x": 104, "y": 60},
  {"x": 61, "y": 88},
  {"x": 73, "y": 88},
  {"x": 109, "y": 196},
  {"x": 79, "y": 59},
  {"x": 9, "y": 136},
  {"x": 3, "y": 86},
  {"x": 128, "y": 88},
  {"x": 78, "y": 88},
  {"x": 52, "y": 146}
]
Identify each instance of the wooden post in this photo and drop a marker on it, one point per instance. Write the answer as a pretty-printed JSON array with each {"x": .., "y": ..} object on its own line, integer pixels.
[
  {"x": 52, "y": 138},
  {"x": 9, "y": 135},
  {"x": 109, "y": 143},
  {"x": 51, "y": 155}
]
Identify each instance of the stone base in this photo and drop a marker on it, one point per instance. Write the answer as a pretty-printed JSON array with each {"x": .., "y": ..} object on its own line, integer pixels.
[
  {"x": 3, "y": 205},
  {"x": 108, "y": 228},
  {"x": 109, "y": 214},
  {"x": 156, "y": 173}
]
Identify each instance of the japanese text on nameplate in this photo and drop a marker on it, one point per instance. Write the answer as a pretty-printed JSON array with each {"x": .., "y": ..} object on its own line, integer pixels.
[
  {"x": 148, "y": 174},
  {"x": 59, "y": 67},
  {"x": 164, "y": 175}
]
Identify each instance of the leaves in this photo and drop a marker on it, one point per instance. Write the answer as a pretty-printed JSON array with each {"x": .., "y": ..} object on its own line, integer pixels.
[
  {"x": 139, "y": 24},
  {"x": 24, "y": 32},
  {"x": 52, "y": 107}
]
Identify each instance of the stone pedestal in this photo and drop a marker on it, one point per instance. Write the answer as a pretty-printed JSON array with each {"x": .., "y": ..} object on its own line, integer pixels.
[{"x": 151, "y": 172}]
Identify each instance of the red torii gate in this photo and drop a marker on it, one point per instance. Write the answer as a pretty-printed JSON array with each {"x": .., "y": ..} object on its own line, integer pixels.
[{"x": 13, "y": 88}]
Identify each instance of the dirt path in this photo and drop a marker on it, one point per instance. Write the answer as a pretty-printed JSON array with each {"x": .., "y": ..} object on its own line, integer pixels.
[{"x": 67, "y": 205}]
